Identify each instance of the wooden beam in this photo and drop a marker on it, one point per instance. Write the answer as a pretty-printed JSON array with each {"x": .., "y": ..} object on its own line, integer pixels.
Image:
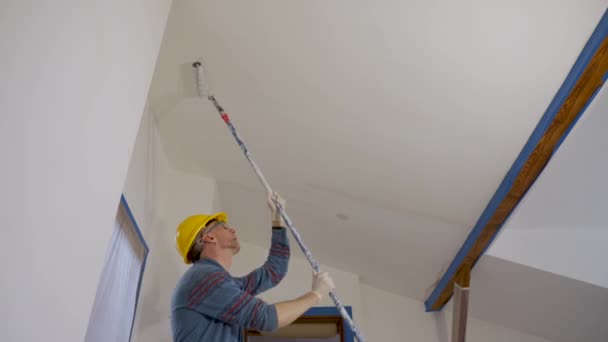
[
  {"x": 463, "y": 276},
  {"x": 584, "y": 80},
  {"x": 461, "y": 303}
]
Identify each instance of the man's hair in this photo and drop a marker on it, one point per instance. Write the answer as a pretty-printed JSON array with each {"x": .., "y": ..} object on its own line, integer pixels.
[{"x": 197, "y": 248}]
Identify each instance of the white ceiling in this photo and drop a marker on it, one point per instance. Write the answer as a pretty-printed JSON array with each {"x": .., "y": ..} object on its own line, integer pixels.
[
  {"x": 413, "y": 105},
  {"x": 387, "y": 125}
]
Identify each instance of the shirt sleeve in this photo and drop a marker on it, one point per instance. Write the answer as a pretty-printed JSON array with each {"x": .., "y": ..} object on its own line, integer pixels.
[
  {"x": 219, "y": 297},
  {"x": 274, "y": 269}
]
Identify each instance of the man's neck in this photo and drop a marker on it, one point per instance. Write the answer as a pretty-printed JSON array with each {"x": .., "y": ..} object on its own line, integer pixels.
[{"x": 224, "y": 259}]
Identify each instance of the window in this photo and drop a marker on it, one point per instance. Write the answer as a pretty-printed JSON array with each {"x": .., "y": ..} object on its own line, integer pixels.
[{"x": 113, "y": 310}]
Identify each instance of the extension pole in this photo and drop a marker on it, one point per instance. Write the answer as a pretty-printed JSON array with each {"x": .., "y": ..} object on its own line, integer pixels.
[{"x": 203, "y": 91}]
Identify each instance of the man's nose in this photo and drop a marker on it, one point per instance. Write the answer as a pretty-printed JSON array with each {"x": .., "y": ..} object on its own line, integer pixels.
[{"x": 233, "y": 231}]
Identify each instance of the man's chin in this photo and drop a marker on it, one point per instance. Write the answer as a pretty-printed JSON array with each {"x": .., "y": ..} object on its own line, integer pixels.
[{"x": 236, "y": 248}]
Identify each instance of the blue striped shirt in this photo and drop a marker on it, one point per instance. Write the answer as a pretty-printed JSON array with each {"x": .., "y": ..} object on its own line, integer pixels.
[{"x": 210, "y": 305}]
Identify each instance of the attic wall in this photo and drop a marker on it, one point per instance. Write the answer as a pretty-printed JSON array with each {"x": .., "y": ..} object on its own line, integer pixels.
[
  {"x": 389, "y": 317},
  {"x": 159, "y": 198},
  {"x": 75, "y": 76},
  {"x": 146, "y": 181}
]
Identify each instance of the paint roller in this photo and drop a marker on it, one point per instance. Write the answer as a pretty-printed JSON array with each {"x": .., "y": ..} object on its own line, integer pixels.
[{"x": 203, "y": 91}]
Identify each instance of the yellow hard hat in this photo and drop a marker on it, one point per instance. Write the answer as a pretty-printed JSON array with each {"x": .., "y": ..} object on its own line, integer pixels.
[{"x": 189, "y": 228}]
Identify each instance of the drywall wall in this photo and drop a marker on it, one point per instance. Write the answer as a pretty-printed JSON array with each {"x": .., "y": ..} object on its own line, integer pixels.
[
  {"x": 389, "y": 317},
  {"x": 148, "y": 172},
  {"x": 160, "y": 198},
  {"x": 564, "y": 213},
  {"x": 164, "y": 264},
  {"x": 75, "y": 75}
]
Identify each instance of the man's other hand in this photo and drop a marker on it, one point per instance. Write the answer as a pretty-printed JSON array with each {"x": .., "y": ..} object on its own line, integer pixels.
[{"x": 277, "y": 220}]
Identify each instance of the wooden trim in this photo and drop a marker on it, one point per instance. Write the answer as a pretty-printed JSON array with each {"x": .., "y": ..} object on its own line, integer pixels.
[
  {"x": 586, "y": 86},
  {"x": 307, "y": 320},
  {"x": 341, "y": 330}
]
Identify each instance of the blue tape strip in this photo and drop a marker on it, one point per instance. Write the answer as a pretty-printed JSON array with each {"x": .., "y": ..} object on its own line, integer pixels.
[
  {"x": 123, "y": 200},
  {"x": 596, "y": 39}
]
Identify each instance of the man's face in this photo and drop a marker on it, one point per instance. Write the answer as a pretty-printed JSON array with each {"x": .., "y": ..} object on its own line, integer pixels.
[{"x": 225, "y": 236}]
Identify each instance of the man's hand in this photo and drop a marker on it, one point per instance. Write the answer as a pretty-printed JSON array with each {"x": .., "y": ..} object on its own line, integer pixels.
[
  {"x": 322, "y": 284},
  {"x": 289, "y": 311},
  {"x": 277, "y": 220}
]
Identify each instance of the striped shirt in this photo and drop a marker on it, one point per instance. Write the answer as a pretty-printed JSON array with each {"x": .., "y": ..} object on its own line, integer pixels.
[{"x": 210, "y": 305}]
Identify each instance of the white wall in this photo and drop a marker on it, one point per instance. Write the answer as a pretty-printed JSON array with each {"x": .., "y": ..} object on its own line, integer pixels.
[
  {"x": 160, "y": 198},
  {"x": 389, "y": 317},
  {"x": 575, "y": 252},
  {"x": 75, "y": 75},
  {"x": 143, "y": 190}
]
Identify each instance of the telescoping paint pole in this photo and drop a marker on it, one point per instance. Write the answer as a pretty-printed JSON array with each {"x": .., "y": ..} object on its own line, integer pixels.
[{"x": 203, "y": 91}]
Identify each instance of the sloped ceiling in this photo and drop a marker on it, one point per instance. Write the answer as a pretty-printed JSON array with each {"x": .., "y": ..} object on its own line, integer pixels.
[{"x": 386, "y": 125}]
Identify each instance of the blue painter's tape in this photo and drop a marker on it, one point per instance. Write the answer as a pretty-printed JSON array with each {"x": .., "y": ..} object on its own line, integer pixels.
[
  {"x": 123, "y": 200},
  {"x": 605, "y": 77},
  {"x": 596, "y": 39}
]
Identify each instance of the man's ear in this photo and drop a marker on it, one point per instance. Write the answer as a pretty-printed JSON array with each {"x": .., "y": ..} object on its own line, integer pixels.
[{"x": 208, "y": 238}]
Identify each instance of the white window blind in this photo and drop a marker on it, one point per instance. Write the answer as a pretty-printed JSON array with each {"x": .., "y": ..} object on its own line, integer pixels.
[{"x": 113, "y": 310}]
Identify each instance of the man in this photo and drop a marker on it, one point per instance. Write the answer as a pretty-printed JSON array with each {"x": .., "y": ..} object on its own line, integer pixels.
[{"x": 211, "y": 305}]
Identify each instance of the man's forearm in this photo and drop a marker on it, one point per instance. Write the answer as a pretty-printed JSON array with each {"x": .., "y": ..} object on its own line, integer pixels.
[{"x": 290, "y": 310}]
